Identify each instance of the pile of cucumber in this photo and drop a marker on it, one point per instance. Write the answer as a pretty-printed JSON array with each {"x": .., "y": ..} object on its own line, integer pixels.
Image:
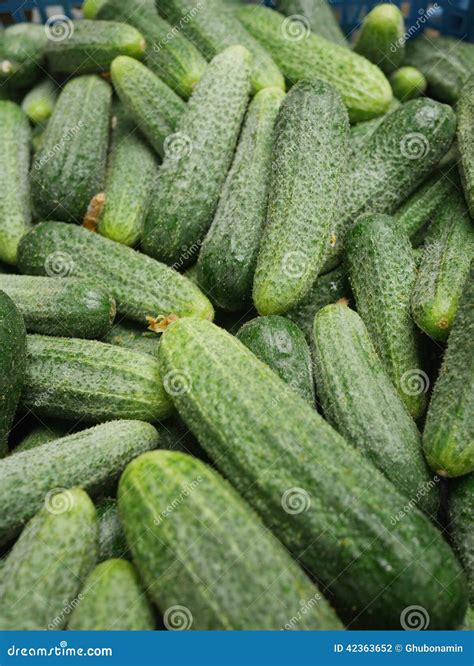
[{"x": 236, "y": 321}]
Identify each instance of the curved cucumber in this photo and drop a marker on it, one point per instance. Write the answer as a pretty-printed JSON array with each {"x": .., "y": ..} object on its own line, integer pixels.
[
  {"x": 317, "y": 16},
  {"x": 38, "y": 103},
  {"x": 461, "y": 514},
  {"x": 465, "y": 115},
  {"x": 381, "y": 37},
  {"x": 228, "y": 256},
  {"x": 22, "y": 50},
  {"x": 132, "y": 336},
  {"x": 112, "y": 542},
  {"x": 181, "y": 547},
  {"x": 408, "y": 83}
]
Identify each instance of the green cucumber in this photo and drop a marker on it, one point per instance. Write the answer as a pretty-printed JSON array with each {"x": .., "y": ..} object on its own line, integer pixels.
[
  {"x": 70, "y": 166},
  {"x": 448, "y": 252},
  {"x": 112, "y": 599},
  {"x": 41, "y": 434},
  {"x": 408, "y": 83},
  {"x": 197, "y": 158},
  {"x": 22, "y": 50},
  {"x": 362, "y": 86},
  {"x": 37, "y": 137},
  {"x": 182, "y": 550},
  {"x": 91, "y": 47},
  {"x": 92, "y": 458},
  {"x": 154, "y": 107},
  {"x": 228, "y": 256},
  {"x": 38, "y": 103},
  {"x": 132, "y": 336},
  {"x": 448, "y": 437},
  {"x": 213, "y": 27},
  {"x": 465, "y": 114},
  {"x": 382, "y": 38},
  {"x": 280, "y": 344},
  {"x": 47, "y": 566},
  {"x": 12, "y": 365},
  {"x": 112, "y": 542},
  {"x": 361, "y": 132},
  {"x": 360, "y": 401},
  {"x": 338, "y": 510},
  {"x": 90, "y": 8},
  {"x": 92, "y": 381},
  {"x": 309, "y": 164},
  {"x": 461, "y": 514},
  {"x": 15, "y": 215},
  {"x": 141, "y": 286},
  {"x": 60, "y": 306},
  {"x": 314, "y": 15}
]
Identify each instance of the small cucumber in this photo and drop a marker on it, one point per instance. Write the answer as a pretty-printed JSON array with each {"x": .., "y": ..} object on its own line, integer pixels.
[
  {"x": 38, "y": 103},
  {"x": 381, "y": 38},
  {"x": 91, "y": 46},
  {"x": 408, "y": 83},
  {"x": 182, "y": 551},
  {"x": 315, "y": 15},
  {"x": 22, "y": 50},
  {"x": 92, "y": 458},
  {"x": 197, "y": 158},
  {"x": 47, "y": 566},
  {"x": 60, "y": 306},
  {"x": 280, "y": 344},
  {"x": 41, "y": 434},
  {"x": 461, "y": 515},
  {"x": 90, "y": 8},
  {"x": 465, "y": 114},
  {"x": 112, "y": 598},
  {"x": 112, "y": 542},
  {"x": 132, "y": 336}
]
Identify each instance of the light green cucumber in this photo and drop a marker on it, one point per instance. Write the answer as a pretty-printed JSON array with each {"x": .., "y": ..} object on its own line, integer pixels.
[
  {"x": 22, "y": 51},
  {"x": 382, "y": 38},
  {"x": 408, "y": 83},
  {"x": 38, "y": 103},
  {"x": 112, "y": 542},
  {"x": 314, "y": 15},
  {"x": 465, "y": 115},
  {"x": 128, "y": 334},
  {"x": 461, "y": 515}
]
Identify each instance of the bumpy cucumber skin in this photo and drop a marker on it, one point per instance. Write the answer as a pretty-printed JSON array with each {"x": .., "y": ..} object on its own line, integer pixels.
[
  {"x": 60, "y": 306},
  {"x": 309, "y": 162},
  {"x": 12, "y": 365},
  {"x": 448, "y": 437},
  {"x": 132, "y": 336},
  {"x": 15, "y": 214},
  {"x": 319, "y": 17},
  {"x": 92, "y": 46},
  {"x": 46, "y": 567},
  {"x": 141, "y": 286},
  {"x": 22, "y": 50},
  {"x": 361, "y": 132},
  {"x": 41, "y": 435},
  {"x": 112, "y": 542},
  {"x": 280, "y": 344},
  {"x": 465, "y": 114},
  {"x": 448, "y": 252},
  {"x": 153, "y": 106},
  {"x": 92, "y": 458},
  {"x": 381, "y": 37},
  {"x": 112, "y": 598},
  {"x": 261, "y": 444},
  {"x": 38, "y": 103},
  {"x": 461, "y": 514},
  {"x": 198, "y": 157},
  {"x": 228, "y": 256},
  {"x": 215, "y": 595},
  {"x": 360, "y": 401},
  {"x": 70, "y": 166},
  {"x": 362, "y": 86},
  {"x": 408, "y": 83}
]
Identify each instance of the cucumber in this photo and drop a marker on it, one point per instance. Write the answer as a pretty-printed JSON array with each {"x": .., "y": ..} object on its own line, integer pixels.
[
  {"x": 360, "y": 401},
  {"x": 171, "y": 56},
  {"x": 448, "y": 252},
  {"x": 112, "y": 599},
  {"x": 90, "y": 8},
  {"x": 37, "y": 137},
  {"x": 15, "y": 215},
  {"x": 448, "y": 436},
  {"x": 461, "y": 514},
  {"x": 92, "y": 381},
  {"x": 92, "y": 458},
  {"x": 213, "y": 26},
  {"x": 342, "y": 509},
  {"x": 141, "y": 286},
  {"x": 408, "y": 83},
  {"x": 60, "y": 306},
  {"x": 112, "y": 542},
  {"x": 198, "y": 156},
  {"x": 38, "y": 103},
  {"x": 382, "y": 38},
  {"x": 182, "y": 550},
  {"x": 91, "y": 47},
  {"x": 22, "y": 50},
  {"x": 70, "y": 166},
  {"x": 41, "y": 434},
  {"x": 154, "y": 107},
  {"x": 46, "y": 567},
  {"x": 317, "y": 16},
  {"x": 362, "y": 86},
  {"x": 12, "y": 365},
  {"x": 280, "y": 344},
  {"x": 309, "y": 164},
  {"x": 361, "y": 132},
  {"x": 465, "y": 114},
  {"x": 132, "y": 336}
]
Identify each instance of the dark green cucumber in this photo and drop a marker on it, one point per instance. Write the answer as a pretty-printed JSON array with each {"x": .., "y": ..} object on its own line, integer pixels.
[
  {"x": 70, "y": 166},
  {"x": 362, "y": 86},
  {"x": 361, "y": 132},
  {"x": 49, "y": 563},
  {"x": 38, "y": 103},
  {"x": 448, "y": 252},
  {"x": 314, "y": 15},
  {"x": 141, "y": 286},
  {"x": 408, "y": 83},
  {"x": 60, "y": 306},
  {"x": 112, "y": 542},
  {"x": 339, "y": 508},
  {"x": 112, "y": 598},
  {"x": 92, "y": 381},
  {"x": 22, "y": 50},
  {"x": 12, "y": 365},
  {"x": 360, "y": 401},
  {"x": 154, "y": 107},
  {"x": 465, "y": 115},
  {"x": 309, "y": 164},
  {"x": 41, "y": 434},
  {"x": 182, "y": 550},
  {"x": 15, "y": 215},
  {"x": 448, "y": 437},
  {"x": 91, "y": 47},
  {"x": 461, "y": 514},
  {"x": 132, "y": 336},
  {"x": 381, "y": 38},
  {"x": 212, "y": 27},
  {"x": 197, "y": 158},
  {"x": 92, "y": 458},
  {"x": 280, "y": 344},
  {"x": 228, "y": 256}
]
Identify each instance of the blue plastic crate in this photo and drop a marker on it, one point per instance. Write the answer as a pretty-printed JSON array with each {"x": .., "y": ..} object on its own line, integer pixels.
[{"x": 18, "y": 9}]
